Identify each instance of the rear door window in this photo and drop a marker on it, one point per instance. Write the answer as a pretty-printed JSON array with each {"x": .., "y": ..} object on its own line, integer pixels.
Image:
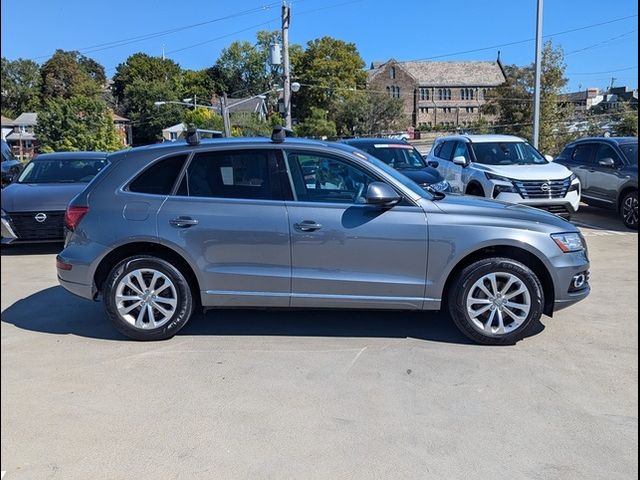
[{"x": 241, "y": 174}]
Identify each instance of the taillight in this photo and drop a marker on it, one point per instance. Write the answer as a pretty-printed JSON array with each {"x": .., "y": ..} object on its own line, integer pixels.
[{"x": 73, "y": 215}]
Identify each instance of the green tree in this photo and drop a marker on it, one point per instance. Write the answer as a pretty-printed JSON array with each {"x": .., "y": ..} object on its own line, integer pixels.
[
  {"x": 241, "y": 68},
  {"x": 203, "y": 118},
  {"x": 20, "y": 83},
  {"x": 317, "y": 125},
  {"x": 198, "y": 83},
  {"x": 626, "y": 121},
  {"x": 330, "y": 70},
  {"x": 77, "y": 123},
  {"x": 140, "y": 82},
  {"x": 369, "y": 113},
  {"x": 67, "y": 74},
  {"x": 513, "y": 101}
]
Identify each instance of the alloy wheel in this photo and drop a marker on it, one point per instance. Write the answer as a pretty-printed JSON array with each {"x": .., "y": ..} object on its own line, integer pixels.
[
  {"x": 498, "y": 303},
  {"x": 146, "y": 298},
  {"x": 630, "y": 210}
]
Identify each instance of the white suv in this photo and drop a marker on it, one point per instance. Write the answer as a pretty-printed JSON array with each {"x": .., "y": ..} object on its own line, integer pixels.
[{"x": 506, "y": 168}]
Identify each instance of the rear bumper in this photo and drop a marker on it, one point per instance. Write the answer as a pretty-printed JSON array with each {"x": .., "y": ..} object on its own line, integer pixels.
[{"x": 79, "y": 289}]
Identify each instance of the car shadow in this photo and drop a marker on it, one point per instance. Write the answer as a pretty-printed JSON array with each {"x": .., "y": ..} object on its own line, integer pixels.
[
  {"x": 52, "y": 248},
  {"x": 75, "y": 316},
  {"x": 600, "y": 219}
]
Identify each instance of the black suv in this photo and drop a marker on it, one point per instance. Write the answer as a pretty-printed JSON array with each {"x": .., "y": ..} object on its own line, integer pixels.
[{"x": 608, "y": 171}]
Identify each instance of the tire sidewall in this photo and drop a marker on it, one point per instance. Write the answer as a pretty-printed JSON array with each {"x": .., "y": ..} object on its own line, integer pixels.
[
  {"x": 184, "y": 296},
  {"x": 467, "y": 279}
]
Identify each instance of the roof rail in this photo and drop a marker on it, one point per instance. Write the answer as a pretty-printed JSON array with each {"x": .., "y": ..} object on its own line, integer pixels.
[
  {"x": 280, "y": 133},
  {"x": 192, "y": 136}
]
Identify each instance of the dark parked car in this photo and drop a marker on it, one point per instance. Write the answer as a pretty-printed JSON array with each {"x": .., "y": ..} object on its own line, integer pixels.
[
  {"x": 33, "y": 206},
  {"x": 608, "y": 171},
  {"x": 11, "y": 166},
  {"x": 403, "y": 157},
  {"x": 172, "y": 228}
]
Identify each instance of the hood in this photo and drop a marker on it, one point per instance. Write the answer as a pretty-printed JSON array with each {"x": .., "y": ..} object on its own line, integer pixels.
[
  {"x": 482, "y": 211},
  {"x": 30, "y": 197},
  {"x": 549, "y": 171},
  {"x": 425, "y": 175}
]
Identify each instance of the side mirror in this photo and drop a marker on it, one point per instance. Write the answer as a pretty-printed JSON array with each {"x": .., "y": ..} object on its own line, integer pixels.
[
  {"x": 549, "y": 158},
  {"x": 460, "y": 160},
  {"x": 607, "y": 162},
  {"x": 433, "y": 164},
  {"x": 379, "y": 193}
]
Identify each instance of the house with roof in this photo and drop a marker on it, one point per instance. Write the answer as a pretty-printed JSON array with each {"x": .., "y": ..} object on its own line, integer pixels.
[
  {"x": 7, "y": 126},
  {"x": 22, "y": 139},
  {"x": 583, "y": 100},
  {"x": 438, "y": 94},
  {"x": 123, "y": 128}
]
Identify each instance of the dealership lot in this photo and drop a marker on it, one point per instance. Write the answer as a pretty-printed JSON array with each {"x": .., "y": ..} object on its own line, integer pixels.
[{"x": 254, "y": 394}]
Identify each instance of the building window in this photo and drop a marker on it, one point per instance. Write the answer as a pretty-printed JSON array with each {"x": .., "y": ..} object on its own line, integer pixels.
[
  {"x": 471, "y": 94},
  {"x": 392, "y": 73},
  {"x": 449, "y": 94},
  {"x": 439, "y": 94},
  {"x": 388, "y": 91}
]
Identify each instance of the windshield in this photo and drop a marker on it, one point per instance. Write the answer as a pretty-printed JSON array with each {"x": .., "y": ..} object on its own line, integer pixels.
[
  {"x": 630, "y": 151},
  {"x": 396, "y": 155},
  {"x": 61, "y": 171},
  {"x": 507, "y": 153}
]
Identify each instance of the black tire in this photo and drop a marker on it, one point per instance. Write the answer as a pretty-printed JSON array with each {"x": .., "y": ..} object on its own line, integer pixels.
[
  {"x": 465, "y": 280},
  {"x": 184, "y": 297},
  {"x": 629, "y": 210},
  {"x": 475, "y": 191}
]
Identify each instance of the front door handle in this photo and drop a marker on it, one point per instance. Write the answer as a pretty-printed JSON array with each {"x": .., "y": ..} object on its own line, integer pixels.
[
  {"x": 183, "y": 222},
  {"x": 307, "y": 226}
]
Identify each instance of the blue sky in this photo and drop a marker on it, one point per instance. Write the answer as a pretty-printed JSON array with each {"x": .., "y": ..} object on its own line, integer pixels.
[{"x": 381, "y": 29}]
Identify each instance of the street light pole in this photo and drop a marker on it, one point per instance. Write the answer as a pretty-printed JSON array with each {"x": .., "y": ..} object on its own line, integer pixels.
[{"x": 538, "y": 74}]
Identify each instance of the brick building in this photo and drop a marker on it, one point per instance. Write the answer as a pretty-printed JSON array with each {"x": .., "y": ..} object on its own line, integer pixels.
[{"x": 438, "y": 94}]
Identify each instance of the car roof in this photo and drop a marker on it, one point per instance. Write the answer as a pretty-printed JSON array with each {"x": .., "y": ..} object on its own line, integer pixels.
[
  {"x": 374, "y": 141},
  {"x": 71, "y": 156},
  {"x": 483, "y": 138},
  {"x": 618, "y": 140},
  {"x": 181, "y": 145}
]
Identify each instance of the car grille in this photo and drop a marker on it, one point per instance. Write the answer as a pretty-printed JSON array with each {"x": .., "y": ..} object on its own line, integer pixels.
[
  {"x": 26, "y": 227},
  {"x": 543, "y": 188},
  {"x": 559, "y": 210}
]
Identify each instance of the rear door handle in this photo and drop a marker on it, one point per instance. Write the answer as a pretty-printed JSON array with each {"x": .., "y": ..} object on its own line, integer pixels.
[
  {"x": 183, "y": 222},
  {"x": 307, "y": 226}
]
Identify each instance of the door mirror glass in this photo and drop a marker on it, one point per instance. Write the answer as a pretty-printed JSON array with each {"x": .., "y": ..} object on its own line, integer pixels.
[
  {"x": 379, "y": 193},
  {"x": 607, "y": 162},
  {"x": 433, "y": 164},
  {"x": 460, "y": 160},
  {"x": 549, "y": 158}
]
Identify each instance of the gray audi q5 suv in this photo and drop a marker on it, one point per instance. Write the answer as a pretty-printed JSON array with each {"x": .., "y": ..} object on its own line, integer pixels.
[{"x": 171, "y": 228}]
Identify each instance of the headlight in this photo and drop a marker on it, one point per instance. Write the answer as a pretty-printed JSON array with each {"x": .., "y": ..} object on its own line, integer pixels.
[
  {"x": 568, "y": 242},
  {"x": 442, "y": 186},
  {"x": 572, "y": 177},
  {"x": 491, "y": 176}
]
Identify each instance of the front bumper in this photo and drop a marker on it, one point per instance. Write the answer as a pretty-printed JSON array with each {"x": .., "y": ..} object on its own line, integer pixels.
[
  {"x": 570, "y": 202},
  {"x": 566, "y": 268}
]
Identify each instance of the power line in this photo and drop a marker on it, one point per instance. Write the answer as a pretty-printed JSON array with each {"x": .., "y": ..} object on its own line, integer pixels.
[
  {"x": 604, "y": 72},
  {"x": 604, "y": 42},
  {"x": 518, "y": 42},
  {"x": 126, "y": 41}
]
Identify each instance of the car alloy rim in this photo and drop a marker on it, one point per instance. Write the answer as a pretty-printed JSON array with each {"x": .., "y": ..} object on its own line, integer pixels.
[
  {"x": 498, "y": 303},
  {"x": 146, "y": 298},
  {"x": 630, "y": 211}
]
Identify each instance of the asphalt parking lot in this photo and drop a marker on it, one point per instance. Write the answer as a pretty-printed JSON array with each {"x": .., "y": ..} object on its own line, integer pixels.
[{"x": 320, "y": 395}]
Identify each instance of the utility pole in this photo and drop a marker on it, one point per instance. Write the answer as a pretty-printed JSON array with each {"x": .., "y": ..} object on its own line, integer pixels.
[
  {"x": 536, "y": 92},
  {"x": 286, "y": 92},
  {"x": 225, "y": 115}
]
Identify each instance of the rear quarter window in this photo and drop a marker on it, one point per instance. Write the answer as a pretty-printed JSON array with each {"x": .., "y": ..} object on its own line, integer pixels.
[{"x": 159, "y": 178}]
